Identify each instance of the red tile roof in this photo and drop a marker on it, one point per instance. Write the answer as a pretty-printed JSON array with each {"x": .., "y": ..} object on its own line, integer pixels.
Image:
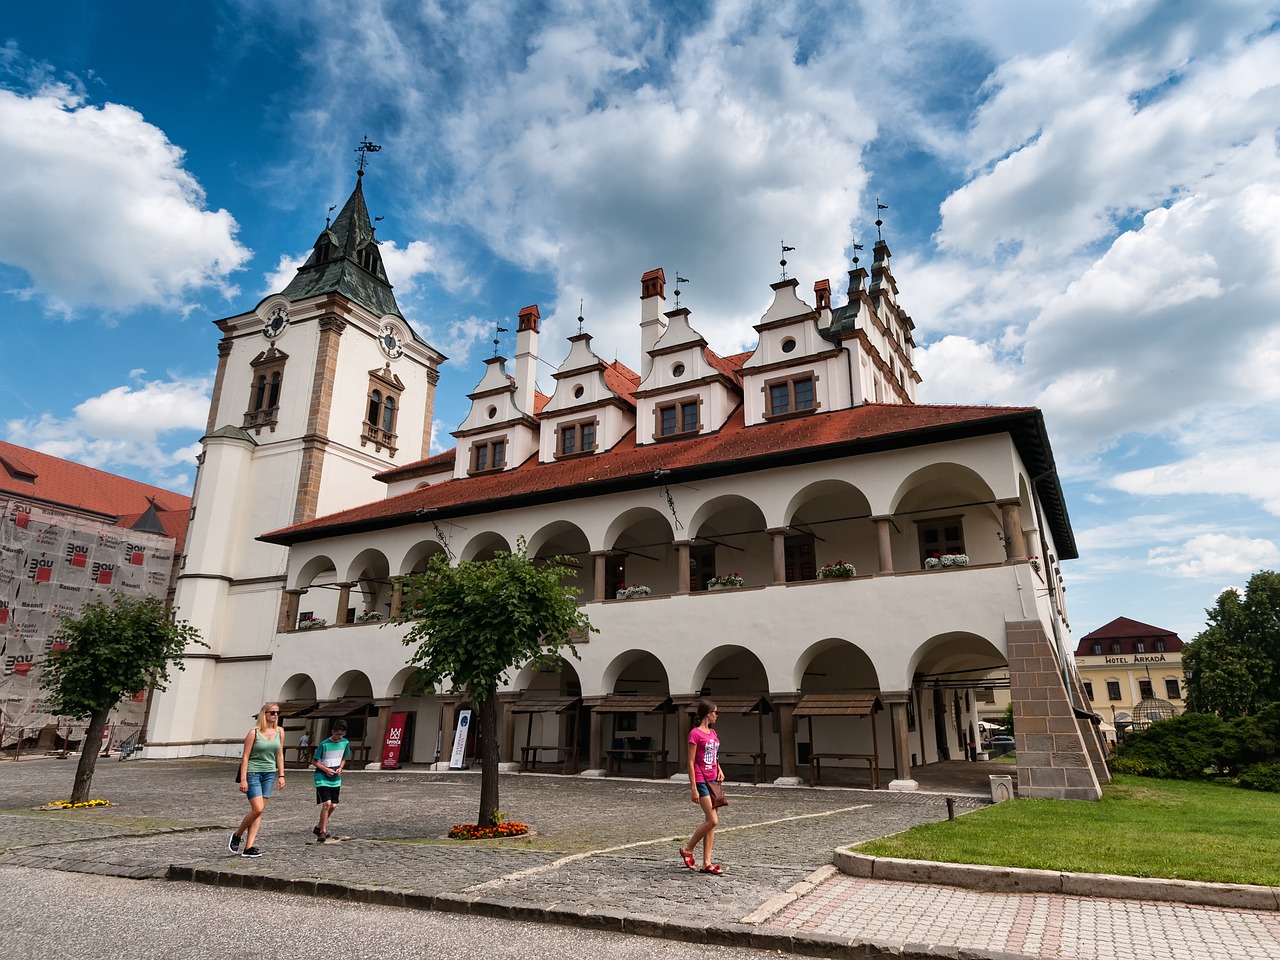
[
  {"x": 1122, "y": 628},
  {"x": 735, "y": 447},
  {"x": 74, "y": 487},
  {"x": 622, "y": 380}
]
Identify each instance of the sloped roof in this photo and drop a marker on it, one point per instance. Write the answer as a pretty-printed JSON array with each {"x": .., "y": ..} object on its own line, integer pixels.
[
  {"x": 1122, "y": 628},
  {"x": 40, "y": 478},
  {"x": 622, "y": 380},
  {"x": 734, "y": 449}
]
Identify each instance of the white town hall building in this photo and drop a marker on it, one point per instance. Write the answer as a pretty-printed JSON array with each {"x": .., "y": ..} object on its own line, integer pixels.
[{"x": 316, "y": 492}]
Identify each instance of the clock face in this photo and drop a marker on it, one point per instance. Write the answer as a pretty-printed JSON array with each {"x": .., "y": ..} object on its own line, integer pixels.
[
  {"x": 275, "y": 324},
  {"x": 390, "y": 341}
]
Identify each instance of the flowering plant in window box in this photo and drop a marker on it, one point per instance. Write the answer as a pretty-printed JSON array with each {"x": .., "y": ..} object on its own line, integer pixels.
[
  {"x": 1035, "y": 563},
  {"x": 837, "y": 571},
  {"x": 728, "y": 580},
  {"x": 946, "y": 560},
  {"x": 369, "y": 616},
  {"x": 312, "y": 623},
  {"x": 635, "y": 590}
]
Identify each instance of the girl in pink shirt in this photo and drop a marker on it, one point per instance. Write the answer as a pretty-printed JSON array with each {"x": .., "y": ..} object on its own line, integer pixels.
[{"x": 704, "y": 768}]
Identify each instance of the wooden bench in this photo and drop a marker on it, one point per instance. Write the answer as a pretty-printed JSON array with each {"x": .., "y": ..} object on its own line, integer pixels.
[
  {"x": 301, "y": 756},
  {"x": 815, "y": 765},
  {"x": 659, "y": 758},
  {"x": 529, "y": 756},
  {"x": 757, "y": 762}
]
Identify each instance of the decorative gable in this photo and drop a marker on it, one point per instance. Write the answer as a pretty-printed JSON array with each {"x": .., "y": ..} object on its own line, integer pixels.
[{"x": 684, "y": 393}]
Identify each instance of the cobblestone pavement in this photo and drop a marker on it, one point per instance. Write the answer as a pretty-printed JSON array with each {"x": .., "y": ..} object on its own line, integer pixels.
[{"x": 603, "y": 853}]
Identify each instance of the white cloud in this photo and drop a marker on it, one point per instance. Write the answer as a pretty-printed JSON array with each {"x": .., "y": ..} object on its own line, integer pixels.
[
  {"x": 960, "y": 370},
  {"x": 130, "y": 426},
  {"x": 99, "y": 211},
  {"x": 285, "y": 270},
  {"x": 1246, "y": 471},
  {"x": 1216, "y": 555}
]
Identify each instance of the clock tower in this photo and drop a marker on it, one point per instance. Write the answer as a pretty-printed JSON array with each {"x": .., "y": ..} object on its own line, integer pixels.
[{"x": 318, "y": 388}]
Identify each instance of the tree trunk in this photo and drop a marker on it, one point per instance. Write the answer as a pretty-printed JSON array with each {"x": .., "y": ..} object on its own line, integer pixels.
[
  {"x": 89, "y": 756},
  {"x": 488, "y": 710}
]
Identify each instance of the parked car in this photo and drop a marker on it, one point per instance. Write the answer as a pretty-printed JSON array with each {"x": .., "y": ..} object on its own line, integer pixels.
[{"x": 1000, "y": 743}]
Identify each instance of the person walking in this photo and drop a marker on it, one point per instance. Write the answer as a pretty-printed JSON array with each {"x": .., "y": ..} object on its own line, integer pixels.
[
  {"x": 704, "y": 770},
  {"x": 330, "y": 760},
  {"x": 261, "y": 768}
]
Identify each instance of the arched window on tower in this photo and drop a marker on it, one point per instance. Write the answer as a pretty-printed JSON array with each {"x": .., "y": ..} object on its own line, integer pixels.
[
  {"x": 379, "y": 427},
  {"x": 265, "y": 389}
]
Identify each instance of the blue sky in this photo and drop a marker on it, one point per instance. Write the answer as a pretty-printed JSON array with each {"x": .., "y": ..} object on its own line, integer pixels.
[{"x": 1084, "y": 212}]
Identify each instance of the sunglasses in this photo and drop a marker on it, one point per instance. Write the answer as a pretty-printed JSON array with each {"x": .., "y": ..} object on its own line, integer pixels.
[{"x": 272, "y": 713}]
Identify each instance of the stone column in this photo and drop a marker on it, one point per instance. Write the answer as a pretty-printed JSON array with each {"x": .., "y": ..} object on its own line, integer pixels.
[
  {"x": 289, "y": 605},
  {"x": 897, "y": 702},
  {"x": 595, "y": 759},
  {"x": 506, "y": 748},
  {"x": 397, "y": 596},
  {"x": 779, "y": 537},
  {"x": 682, "y": 566},
  {"x": 884, "y": 528},
  {"x": 1013, "y": 546},
  {"x": 344, "y": 602},
  {"x": 785, "y": 704},
  {"x": 598, "y": 558}
]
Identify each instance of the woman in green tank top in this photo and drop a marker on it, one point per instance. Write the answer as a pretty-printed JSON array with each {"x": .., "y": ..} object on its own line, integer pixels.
[{"x": 261, "y": 768}]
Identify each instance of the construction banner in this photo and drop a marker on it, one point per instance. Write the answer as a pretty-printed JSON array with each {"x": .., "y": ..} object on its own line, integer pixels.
[{"x": 51, "y": 564}]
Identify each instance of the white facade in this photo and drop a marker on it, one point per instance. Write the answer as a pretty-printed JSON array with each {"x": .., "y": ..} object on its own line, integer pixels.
[{"x": 771, "y": 465}]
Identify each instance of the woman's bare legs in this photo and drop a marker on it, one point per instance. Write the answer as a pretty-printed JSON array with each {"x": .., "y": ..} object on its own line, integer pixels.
[
  {"x": 706, "y": 832},
  {"x": 252, "y": 820}
]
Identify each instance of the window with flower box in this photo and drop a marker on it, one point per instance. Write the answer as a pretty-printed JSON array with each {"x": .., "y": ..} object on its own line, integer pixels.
[
  {"x": 573, "y": 439},
  {"x": 940, "y": 536},
  {"x": 790, "y": 396}
]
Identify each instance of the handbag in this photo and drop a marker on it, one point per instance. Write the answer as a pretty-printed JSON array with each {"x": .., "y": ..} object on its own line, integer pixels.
[
  {"x": 237, "y": 773},
  {"x": 718, "y": 799}
]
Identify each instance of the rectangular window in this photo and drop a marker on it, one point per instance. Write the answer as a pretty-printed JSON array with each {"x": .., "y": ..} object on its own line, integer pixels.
[
  {"x": 1139, "y": 646},
  {"x": 576, "y": 438},
  {"x": 791, "y": 396},
  {"x": 1088, "y": 689},
  {"x": 677, "y": 419},
  {"x": 800, "y": 558},
  {"x": 1171, "y": 690},
  {"x": 702, "y": 567},
  {"x": 488, "y": 455},
  {"x": 1144, "y": 689},
  {"x": 1159, "y": 646},
  {"x": 1113, "y": 689},
  {"x": 939, "y": 537}
]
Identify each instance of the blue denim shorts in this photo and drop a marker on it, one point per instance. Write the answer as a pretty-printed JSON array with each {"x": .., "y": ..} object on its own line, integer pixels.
[
  {"x": 261, "y": 784},
  {"x": 703, "y": 789}
]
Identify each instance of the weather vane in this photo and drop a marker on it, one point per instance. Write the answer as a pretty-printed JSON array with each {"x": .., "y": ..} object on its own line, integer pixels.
[
  {"x": 497, "y": 339},
  {"x": 679, "y": 280},
  {"x": 329, "y": 215},
  {"x": 783, "y": 262},
  {"x": 879, "y": 223},
  {"x": 366, "y": 147},
  {"x": 580, "y": 320},
  {"x": 856, "y": 248}
]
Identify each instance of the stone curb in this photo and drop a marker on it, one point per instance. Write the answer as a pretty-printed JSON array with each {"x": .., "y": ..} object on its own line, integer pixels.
[
  {"x": 616, "y": 921},
  {"x": 990, "y": 879}
]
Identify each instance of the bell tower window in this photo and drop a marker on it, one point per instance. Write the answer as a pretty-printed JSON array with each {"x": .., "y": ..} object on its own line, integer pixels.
[
  {"x": 382, "y": 411},
  {"x": 264, "y": 393}
]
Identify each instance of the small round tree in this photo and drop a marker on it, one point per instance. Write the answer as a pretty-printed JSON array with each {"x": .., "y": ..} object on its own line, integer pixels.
[
  {"x": 474, "y": 621},
  {"x": 105, "y": 652}
]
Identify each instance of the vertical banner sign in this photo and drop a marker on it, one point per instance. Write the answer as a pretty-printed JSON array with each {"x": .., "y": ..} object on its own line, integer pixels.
[
  {"x": 460, "y": 741},
  {"x": 395, "y": 739}
]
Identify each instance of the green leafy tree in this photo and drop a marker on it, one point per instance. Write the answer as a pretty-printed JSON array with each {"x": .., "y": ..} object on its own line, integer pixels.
[
  {"x": 1233, "y": 665},
  {"x": 473, "y": 622},
  {"x": 107, "y": 651}
]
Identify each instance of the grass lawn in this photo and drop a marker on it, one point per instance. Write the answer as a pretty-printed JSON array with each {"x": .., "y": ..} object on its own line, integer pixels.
[{"x": 1142, "y": 827}]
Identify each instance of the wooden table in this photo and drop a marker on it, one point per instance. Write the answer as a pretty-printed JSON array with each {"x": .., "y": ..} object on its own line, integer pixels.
[
  {"x": 815, "y": 765},
  {"x": 659, "y": 758}
]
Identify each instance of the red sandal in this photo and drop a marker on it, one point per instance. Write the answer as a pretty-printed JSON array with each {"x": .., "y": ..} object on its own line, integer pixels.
[
  {"x": 712, "y": 868},
  {"x": 689, "y": 861}
]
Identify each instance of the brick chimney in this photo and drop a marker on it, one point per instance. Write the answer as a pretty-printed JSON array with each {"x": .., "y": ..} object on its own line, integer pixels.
[
  {"x": 653, "y": 297},
  {"x": 527, "y": 358}
]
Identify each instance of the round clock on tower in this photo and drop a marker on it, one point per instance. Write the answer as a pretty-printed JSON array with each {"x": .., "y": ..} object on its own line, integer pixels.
[{"x": 391, "y": 341}]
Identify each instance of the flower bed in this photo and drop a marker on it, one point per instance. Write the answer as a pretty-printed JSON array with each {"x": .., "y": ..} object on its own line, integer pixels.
[
  {"x": 625, "y": 592},
  {"x": 68, "y": 805},
  {"x": 946, "y": 560},
  {"x": 314, "y": 623},
  {"x": 495, "y": 831},
  {"x": 369, "y": 616}
]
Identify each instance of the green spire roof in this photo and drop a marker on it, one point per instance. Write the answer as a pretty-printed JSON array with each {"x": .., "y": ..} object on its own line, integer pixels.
[{"x": 346, "y": 260}]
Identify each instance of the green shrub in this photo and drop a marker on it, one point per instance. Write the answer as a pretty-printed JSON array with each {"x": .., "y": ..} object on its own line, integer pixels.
[
  {"x": 1139, "y": 767},
  {"x": 1186, "y": 747},
  {"x": 1261, "y": 776}
]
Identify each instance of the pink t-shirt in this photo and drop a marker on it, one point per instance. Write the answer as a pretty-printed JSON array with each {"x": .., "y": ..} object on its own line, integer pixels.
[{"x": 706, "y": 748}]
